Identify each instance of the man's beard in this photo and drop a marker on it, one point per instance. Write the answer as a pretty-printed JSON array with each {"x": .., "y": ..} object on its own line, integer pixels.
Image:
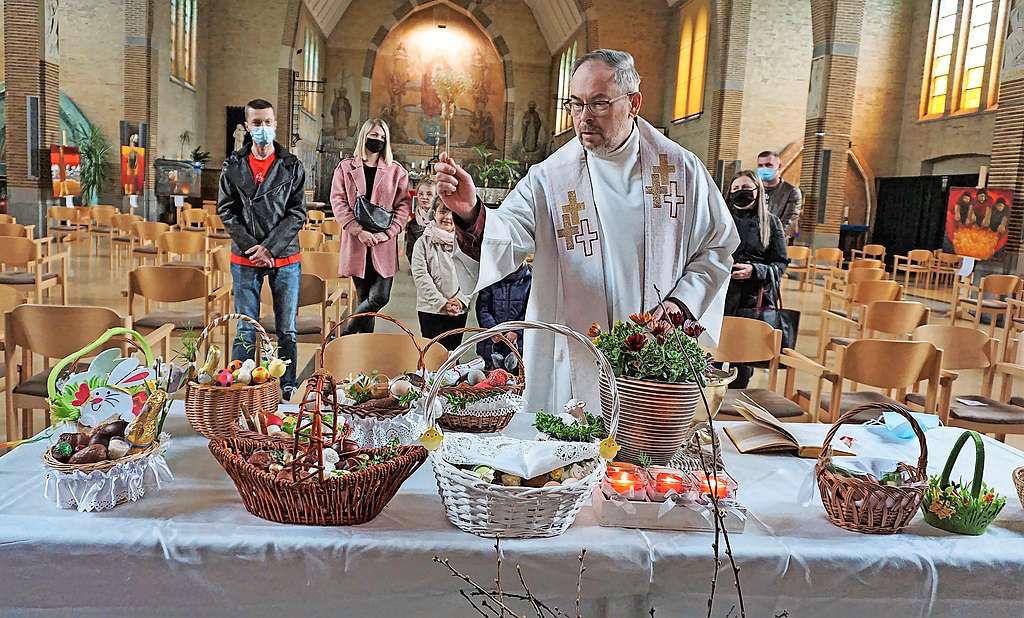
[{"x": 611, "y": 142}]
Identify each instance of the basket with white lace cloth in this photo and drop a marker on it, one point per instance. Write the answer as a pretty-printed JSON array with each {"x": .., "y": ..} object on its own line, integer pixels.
[{"x": 485, "y": 509}]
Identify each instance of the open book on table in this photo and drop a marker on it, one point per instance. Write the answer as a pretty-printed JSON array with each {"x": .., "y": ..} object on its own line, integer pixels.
[{"x": 763, "y": 433}]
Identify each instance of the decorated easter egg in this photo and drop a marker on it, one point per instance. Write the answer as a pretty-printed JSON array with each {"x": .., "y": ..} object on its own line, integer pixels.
[
  {"x": 276, "y": 367},
  {"x": 234, "y": 365},
  {"x": 224, "y": 378},
  {"x": 260, "y": 375}
]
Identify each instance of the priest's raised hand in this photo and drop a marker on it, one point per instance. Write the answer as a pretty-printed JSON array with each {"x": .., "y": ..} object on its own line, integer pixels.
[{"x": 456, "y": 188}]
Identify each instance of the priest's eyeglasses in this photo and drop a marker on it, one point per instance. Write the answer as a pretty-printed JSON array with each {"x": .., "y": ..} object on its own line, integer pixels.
[{"x": 597, "y": 108}]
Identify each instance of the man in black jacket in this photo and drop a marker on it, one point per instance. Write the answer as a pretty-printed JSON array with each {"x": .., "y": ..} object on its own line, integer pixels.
[
  {"x": 262, "y": 206},
  {"x": 784, "y": 200}
]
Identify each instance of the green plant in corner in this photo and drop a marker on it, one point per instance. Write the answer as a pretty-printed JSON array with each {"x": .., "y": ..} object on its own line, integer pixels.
[
  {"x": 94, "y": 149},
  {"x": 491, "y": 172},
  {"x": 200, "y": 156}
]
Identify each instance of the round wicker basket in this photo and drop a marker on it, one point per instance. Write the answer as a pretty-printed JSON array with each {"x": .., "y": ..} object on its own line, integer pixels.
[
  {"x": 213, "y": 411},
  {"x": 867, "y": 506},
  {"x": 492, "y": 510}
]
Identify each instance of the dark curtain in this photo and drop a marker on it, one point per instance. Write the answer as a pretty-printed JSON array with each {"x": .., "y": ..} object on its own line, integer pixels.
[{"x": 911, "y": 211}]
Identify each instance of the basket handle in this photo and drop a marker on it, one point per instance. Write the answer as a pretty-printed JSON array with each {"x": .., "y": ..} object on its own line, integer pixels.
[
  {"x": 521, "y": 372},
  {"x": 471, "y": 342},
  {"x": 825, "y": 455},
  {"x": 268, "y": 348},
  {"x": 367, "y": 314},
  {"x": 137, "y": 339},
  {"x": 979, "y": 461}
]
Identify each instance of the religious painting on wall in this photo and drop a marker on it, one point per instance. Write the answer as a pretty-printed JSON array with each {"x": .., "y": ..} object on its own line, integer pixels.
[
  {"x": 65, "y": 170},
  {"x": 977, "y": 221},
  {"x": 133, "y": 159},
  {"x": 177, "y": 178},
  {"x": 403, "y": 92}
]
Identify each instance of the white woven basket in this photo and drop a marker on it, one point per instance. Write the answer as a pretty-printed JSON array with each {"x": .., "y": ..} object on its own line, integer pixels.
[{"x": 492, "y": 510}]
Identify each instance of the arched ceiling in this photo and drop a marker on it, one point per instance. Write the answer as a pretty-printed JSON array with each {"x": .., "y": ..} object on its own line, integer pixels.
[{"x": 557, "y": 19}]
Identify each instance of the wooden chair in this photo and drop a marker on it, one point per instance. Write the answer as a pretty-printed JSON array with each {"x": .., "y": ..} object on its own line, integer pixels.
[
  {"x": 1013, "y": 323},
  {"x": 390, "y": 353},
  {"x": 916, "y": 262},
  {"x": 825, "y": 259},
  {"x": 122, "y": 240},
  {"x": 895, "y": 319},
  {"x": 5, "y": 218},
  {"x": 210, "y": 206},
  {"x": 966, "y": 348},
  {"x": 944, "y": 266},
  {"x": 852, "y": 304},
  {"x": 33, "y": 271},
  {"x": 52, "y": 332},
  {"x": 310, "y": 240},
  {"x": 143, "y": 244},
  {"x": 989, "y": 298},
  {"x": 102, "y": 225},
  {"x": 799, "y": 263},
  {"x": 189, "y": 247},
  {"x": 895, "y": 367},
  {"x": 9, "y": 299},
  {"x": 331, "y": 228},
  {"x": 314, "y": 219},
  {"x": 331, "y": 246},
  {"x": 173, "y": 284},
  {"x": 17, "y": 229},
  {"x": 63, "y": 223},
  {"x": 308, "y": 328},
  {"x": 839, "y": 279},
  {"x": 844, "y": 297},
  {"x": 325, "y": 266},
  {"x": 744, "y": 340},
  {"x": 193, "y": 220},
  {"x": 216, "y": 232},
  {"x": 876, "y": 252}
]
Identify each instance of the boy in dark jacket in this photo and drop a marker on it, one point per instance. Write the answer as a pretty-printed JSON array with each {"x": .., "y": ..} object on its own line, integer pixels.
[{"x": 503, "y": 301}]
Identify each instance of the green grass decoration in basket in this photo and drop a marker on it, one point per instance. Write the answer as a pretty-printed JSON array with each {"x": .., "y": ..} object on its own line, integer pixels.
[{"x": 959, "y": 508}]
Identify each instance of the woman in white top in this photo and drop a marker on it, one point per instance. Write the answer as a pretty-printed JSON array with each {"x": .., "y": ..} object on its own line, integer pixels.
[{"x": 440, "y": 303}]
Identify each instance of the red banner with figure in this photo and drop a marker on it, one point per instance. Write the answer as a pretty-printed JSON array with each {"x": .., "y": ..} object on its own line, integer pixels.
[{"x": 977, "y": 221}]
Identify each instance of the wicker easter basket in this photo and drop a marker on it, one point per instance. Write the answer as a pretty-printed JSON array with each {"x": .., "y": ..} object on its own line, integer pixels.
[
  {"x": 489, "y": 510},
  {"x": 314, "y": 496},
  {"x": 104, "y": 484},
  {"x": 490, "y": 409},
  {"x": 963, "y": 520},
  {"x": 1018, "y": 482},
  {"x": 213, "y": 411},
  {"x": 861, "y": 504}
]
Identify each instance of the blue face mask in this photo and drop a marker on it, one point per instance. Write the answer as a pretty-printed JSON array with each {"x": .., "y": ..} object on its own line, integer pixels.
[
  {"x": 766, "y": 174},
  {"x": 262, "y": 135}
]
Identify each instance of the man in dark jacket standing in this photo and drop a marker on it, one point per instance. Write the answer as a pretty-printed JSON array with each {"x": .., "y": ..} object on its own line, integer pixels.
[
  {"x": 784, "y": 199},
  {"x": 262, "y": 206},
  {"x": 504, "y": 301}
]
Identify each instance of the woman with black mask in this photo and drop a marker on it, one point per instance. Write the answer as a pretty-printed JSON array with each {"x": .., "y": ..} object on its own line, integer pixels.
[
  {"x": 760, "y": 260},
  {"x": 370, "y": 187}
]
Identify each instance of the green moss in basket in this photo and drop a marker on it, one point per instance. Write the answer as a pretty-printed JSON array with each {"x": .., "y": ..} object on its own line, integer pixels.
[
  {"x": 957, "y": 503},
  {"x": 459, "y": 400},
  {"x": 560, "y": 430},
  {"x": 409, "y": 398},
  {"x": 645, "y": 349}
]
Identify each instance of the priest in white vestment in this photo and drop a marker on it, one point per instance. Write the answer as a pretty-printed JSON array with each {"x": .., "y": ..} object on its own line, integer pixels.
[{"x": 611, "y": 218}]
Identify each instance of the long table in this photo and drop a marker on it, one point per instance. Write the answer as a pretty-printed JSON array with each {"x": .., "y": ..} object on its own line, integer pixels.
[{"x": 192, "y": 550}]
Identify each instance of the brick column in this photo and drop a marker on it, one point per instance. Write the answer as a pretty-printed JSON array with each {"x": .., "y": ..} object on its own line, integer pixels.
[
  {"x": 836, "y": 27},
  {"x": 32, "y": 68},
  {"x": 731, "y": 26},
  {"x": 141, "y": 89},
  {"x": 1007, "y": 164}
]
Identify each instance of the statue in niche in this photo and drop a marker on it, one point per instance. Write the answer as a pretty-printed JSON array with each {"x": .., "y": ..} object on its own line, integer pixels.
[
  {"x": 481, "y": 129},
  {"x": 341, "y": 112},
  {"x": 531, "y": 128},
  {"x": 1013, "y": 51},
  {"x": 239, "y": 136}
]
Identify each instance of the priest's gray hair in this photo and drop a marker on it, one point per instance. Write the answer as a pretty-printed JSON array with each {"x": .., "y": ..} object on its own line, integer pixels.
[{"x": 621, "y": 62}]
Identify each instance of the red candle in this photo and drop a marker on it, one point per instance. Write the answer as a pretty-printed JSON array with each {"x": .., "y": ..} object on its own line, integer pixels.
[
  {"x": 666, "y": 481},
  {"x": 623, "y": 482},
  {"x": 715, "y": 484}
]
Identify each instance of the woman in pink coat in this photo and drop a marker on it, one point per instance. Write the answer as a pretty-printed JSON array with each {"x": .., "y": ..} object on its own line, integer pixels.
[{"x": 371, "y": 259}]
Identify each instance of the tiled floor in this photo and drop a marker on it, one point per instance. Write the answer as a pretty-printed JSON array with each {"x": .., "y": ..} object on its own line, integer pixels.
[{"x": 94, "y": 282}]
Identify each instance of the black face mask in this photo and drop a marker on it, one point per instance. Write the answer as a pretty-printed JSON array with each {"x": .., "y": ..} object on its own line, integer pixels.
[
  {"x": 374, "y": 145},
  {"x": 742, "y": 198}
]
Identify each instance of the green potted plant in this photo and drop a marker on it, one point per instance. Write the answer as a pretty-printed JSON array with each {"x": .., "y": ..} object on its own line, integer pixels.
[
  {"x": 659, "y": 371},
  {"x": 93, "y": 148},
  {"x": 494, "y": 178},
  {"x": 200, "y": 156}
]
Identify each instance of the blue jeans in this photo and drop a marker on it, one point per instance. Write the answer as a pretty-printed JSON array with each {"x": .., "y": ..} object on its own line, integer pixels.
[{"x": 246, "y": 283}]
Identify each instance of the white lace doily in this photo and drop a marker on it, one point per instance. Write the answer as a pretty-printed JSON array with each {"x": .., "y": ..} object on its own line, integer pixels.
[
  {"x": 496, "y": 405},
  {"x": 103, "y": 490},
  {"x": 524, "y": 458},
  {"x": 373, "y": 432}
]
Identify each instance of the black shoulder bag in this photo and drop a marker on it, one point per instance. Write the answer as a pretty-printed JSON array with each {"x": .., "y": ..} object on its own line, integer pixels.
[
  {"x": 786, "y": 320},
  {"x": 372, "y": 217}
]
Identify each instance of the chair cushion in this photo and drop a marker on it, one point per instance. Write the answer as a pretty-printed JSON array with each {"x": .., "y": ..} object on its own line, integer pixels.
[
  {"x": 121, "y": 239},
  {"x": 842, "y": 341},
  {"x": 219, "y": 235},
  {"x": 21, "y": 277},
  {"x": 850, "y": 401},
  {"x": 304, "y": 325},
  {"x": 147, "y": 249},
  {"x": 1017, "y": 401},
  {"x": 779, "y": 406},
  {"x": 178, "y": 262},
  {"x": 63, "y": 228},
  {"x": 988, "y": 303},
  {"x": 841, "y": 313},
  {"x": 102, "y": 228},
  {"x": 180, "y": 319},
  {"x": 993, "y": 412},
  {"x": 36, "y": 385}
]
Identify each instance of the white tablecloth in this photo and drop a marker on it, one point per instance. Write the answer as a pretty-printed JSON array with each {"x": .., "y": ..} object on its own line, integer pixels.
[{"x": 192, "y": 550}]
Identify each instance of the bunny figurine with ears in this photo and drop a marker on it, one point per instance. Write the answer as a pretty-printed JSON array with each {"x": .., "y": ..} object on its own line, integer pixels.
[{"x": 112, "y": 387}]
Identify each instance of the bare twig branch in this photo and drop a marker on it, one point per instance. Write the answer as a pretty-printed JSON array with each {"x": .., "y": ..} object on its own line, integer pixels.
[
  {"x": 579, "y": 582},
  {"x": 472, "y": 604},
  {"x": 537, "y": 605},
  {"x": 497, "y": 577},
  {"x": 476, "y": 586}
]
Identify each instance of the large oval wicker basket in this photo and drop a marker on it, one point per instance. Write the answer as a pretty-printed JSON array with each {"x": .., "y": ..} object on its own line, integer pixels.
[
  {"x": 498, "y": 404},
  {"x": 867, "y": 506},
  {"x": 319, "y": 499},
  {"x": 492, "y": 510},
  {"x": 213, "y": 411}
]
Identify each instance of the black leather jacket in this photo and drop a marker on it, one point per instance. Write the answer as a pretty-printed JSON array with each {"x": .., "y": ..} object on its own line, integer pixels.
[{"x": 270, "y": 214}]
